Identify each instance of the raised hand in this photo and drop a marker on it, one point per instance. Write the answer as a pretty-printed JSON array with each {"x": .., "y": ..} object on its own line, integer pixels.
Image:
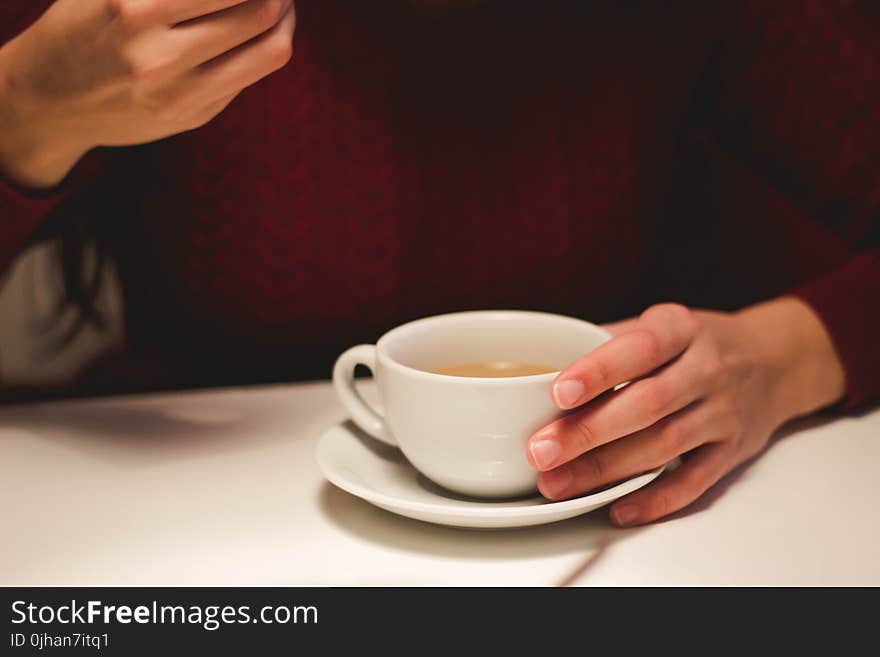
[{"x": 122, "y": 72}]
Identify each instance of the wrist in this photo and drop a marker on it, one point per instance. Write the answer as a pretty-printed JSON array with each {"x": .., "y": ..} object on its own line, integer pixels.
[
  {"x": 796, "y": 352},
  {"x": 33, "y": 153}
]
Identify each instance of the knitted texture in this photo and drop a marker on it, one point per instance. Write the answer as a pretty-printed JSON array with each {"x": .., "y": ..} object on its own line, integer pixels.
[{"x": 581, "y": 157}]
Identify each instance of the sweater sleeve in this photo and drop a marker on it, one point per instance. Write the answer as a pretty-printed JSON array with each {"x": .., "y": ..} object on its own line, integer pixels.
[
  {"x": 848, "y": 301},
  {"x": 20, "y": 214},
  {"x": 798, "y": 101}
]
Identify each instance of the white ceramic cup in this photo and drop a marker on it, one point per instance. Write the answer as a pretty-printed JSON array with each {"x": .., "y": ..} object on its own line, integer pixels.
[{"x": 466, "y": 434}]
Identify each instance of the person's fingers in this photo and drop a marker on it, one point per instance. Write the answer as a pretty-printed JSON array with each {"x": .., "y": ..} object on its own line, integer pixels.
[
  {"x": 179, "y": 11},
  {"x": 675, "y": 490},
  {"x": 660, "y": 334},
  {"x": 633, "y": 408},
  {"x": 251, "y": 62},
  {"x": 623, "y": 326},
  {"x": 197, "y": 42},
  {"x": 644, "y": 450}
]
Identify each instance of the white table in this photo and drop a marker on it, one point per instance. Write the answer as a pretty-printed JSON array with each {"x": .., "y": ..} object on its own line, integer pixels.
[{"x": 221, "y": 488}]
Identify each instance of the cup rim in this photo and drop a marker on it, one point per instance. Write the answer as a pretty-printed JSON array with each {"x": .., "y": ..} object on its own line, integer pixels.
[{"x": 387, "y": 361}]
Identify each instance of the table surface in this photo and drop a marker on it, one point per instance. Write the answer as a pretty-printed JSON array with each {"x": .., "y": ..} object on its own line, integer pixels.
[{"x": 221, "y": 488}]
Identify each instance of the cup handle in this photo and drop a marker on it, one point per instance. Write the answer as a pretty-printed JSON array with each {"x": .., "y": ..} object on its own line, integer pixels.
[{"x": 343, "y": 380}]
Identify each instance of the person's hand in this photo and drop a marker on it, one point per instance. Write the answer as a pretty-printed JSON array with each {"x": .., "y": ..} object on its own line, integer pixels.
[
  {"x": 708, "y": 386},
  {"x": 123, "y": 72}
]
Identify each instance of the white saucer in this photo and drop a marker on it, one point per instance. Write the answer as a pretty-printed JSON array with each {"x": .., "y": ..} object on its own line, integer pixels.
[{"x": 381, "y": 475}]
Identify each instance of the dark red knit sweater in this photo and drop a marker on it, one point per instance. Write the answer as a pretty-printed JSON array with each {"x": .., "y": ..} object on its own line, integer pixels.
[{"x": 589, "y": 158}]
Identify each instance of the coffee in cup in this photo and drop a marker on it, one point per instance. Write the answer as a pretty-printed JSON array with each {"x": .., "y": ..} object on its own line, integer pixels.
[{"x": 494, "y": 369}]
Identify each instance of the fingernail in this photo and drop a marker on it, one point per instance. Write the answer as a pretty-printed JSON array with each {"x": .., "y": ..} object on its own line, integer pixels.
[
  {"x": 545, "y": 452},
  {"x": 625, "y": 514},
  {"x": 555, "y": 483},
  {"x": 567, "y": 393}
]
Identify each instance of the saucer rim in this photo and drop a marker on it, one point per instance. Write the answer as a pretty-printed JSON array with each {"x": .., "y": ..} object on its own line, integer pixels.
[{"x": 548, "y": 508}]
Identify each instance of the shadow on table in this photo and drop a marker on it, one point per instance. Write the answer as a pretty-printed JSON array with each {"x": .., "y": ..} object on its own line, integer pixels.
[
  {"x": 591, "y": 534},
  {"x": 150, "y": 431},
  {"x": 730, "y": 479},
  {"x": 588, "y": 534}
]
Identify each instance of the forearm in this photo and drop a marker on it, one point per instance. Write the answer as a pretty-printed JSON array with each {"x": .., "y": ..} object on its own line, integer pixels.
[
  {"x": 35, "y": 151},
  {"x": 796, "y": 351}
]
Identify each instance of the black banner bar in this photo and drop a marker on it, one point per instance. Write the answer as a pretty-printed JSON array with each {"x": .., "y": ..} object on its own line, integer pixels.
[{"x": 133, "y": 621}]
